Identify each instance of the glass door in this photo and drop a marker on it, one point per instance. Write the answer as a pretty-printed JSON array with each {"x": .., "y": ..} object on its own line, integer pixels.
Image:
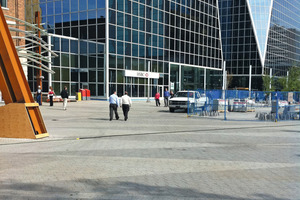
[{"x": 174, "y": 78}]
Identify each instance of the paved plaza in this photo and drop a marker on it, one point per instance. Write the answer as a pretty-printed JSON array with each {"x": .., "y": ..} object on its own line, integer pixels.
[{"x": 154, "y": 155}]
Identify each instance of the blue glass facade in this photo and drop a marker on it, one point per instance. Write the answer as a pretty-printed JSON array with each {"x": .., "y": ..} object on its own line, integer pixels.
[
  {"x": 239, "y": 43},
  {"x": 261, "y": 33},
  {"x": 161, "y": 32},
  {"x": 78, "y": 62},
  {"x": 283, "y": 47},
  {"x": 141, "y": 32}
]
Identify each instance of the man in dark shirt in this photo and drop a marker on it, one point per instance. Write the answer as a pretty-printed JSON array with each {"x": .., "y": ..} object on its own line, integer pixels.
[{"x": 64, "y": 95}]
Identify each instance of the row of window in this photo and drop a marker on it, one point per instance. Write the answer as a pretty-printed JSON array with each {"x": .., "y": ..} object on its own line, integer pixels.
[
  {"x": 122, "y": 48},
  {"x": 76, "y": 46},
  {"x": 133, "y": 90},
  {"x": 83, "y": 32},
  {"x": 190, "y": 39},
  {"x": 204, "y": 34},
  {"x": 73, "y": 20},
  {"x": 80, "y": 61},
  {"x": 121, "y": 62},
  {"x": 66, "y": 6},
  {"x": 75, "y": 75},
  {"x": 95, "y": 89},
  {"x": 166, "y": 5},
  {"x": 161, "y": 29},
  {"x": 176, "y": 57},
  {"x": 173, "y": 20}
]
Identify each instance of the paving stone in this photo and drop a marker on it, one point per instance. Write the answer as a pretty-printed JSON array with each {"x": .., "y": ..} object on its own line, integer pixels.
[{"x": 153, "y": 155}]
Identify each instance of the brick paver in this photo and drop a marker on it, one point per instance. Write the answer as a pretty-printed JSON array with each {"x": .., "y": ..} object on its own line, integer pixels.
[{"x": 153, "y": 155}]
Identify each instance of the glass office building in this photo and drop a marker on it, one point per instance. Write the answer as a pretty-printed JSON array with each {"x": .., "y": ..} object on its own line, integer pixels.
[
  {"x": 79, "y": 64},
  {"x": 261, "y": 33},
  {"x": 149, "y": 44}
]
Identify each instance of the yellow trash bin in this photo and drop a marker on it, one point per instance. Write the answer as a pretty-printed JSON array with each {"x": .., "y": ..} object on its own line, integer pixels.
[{"x": 78, "y": 96}]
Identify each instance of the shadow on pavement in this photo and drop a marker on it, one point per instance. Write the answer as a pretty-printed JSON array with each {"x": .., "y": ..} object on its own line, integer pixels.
[
  {"x": 103, "y": 119},
  {"x": 126, "y": 190}
]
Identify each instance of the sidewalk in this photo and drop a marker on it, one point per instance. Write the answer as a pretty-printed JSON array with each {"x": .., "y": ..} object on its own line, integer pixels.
[{"x": 154, "y": 155}]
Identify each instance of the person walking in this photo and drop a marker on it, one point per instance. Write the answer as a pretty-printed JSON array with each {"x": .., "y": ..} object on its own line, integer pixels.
[
  {"x": 65, "y": 95},
  {"x": 113, "y": 105},
  {"x": 125, "y": 104},
  {"x": 51, "y": 94},
  {"x": 166, "y": 97},
  {"x": 39, "y": 95},
  {"x": 171, "y": 94},
  {"x": 157, "y": 96}
]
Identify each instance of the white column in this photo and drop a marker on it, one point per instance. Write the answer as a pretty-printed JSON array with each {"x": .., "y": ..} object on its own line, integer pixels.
[
  {"x": 148, "y": 99},
  {"x": 106, "y": 57},
  {"x": 50, "y": 64},
  {"x": 179, "y": 79},
  {"x": 287, "y": 79},
  {"x": 224, "y": 74},
  {"x": 204, "y": 79},
  {"x": 270, "y": 96},
  {"x": 270, "y": 79},
  {"x": 250, "y": 79}
]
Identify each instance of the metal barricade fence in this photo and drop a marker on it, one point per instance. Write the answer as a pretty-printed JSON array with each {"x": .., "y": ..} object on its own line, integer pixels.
[{"x": 241, "y": 105}]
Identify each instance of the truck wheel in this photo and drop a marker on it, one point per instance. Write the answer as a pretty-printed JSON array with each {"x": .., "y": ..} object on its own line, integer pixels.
[{"x": 171, "y": 109}]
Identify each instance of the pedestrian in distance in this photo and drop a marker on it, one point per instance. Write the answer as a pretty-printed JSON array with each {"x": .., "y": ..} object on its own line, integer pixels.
[
  {"x": 157, "y": 96},
  {"x": 113, "y": 106},
  {"x": 166, "y": 97},
  {"x": 125, "y": 104},
  {"x": 65, "y": 95},
  {"x": 51, "y": 94},
  {"x": 171, "y": 94},
  {"x": 39, "y": 95}
]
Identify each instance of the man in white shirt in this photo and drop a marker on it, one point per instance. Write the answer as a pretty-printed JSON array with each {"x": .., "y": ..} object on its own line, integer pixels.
[
  {"x": 126, "y": 104},
  {"x": 113, "y": 106}
]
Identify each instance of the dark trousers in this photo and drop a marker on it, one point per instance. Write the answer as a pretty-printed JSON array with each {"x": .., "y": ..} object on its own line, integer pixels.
[
  {"x": 125, "y": 108},
  {"x": 166, "y": 101},
  {"x": 39, "y": 99},
  {"x": 51, "y": 100},
  {"x": 157, "y": 102},
  {"x": 113, "y": 108}
]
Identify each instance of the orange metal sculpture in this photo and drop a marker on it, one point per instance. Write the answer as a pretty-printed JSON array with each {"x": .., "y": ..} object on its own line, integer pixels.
[{"x": 20, "y": 117}]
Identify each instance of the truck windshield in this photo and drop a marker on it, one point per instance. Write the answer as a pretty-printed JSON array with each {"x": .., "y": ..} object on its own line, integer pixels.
[{"x": 184, "y": 94}]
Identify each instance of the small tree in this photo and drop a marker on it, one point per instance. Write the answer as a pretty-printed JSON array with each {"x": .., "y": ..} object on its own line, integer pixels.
[
  {"x": 267, "y": 80},
  {"x": 266, "y": 83},
  {"x": 293, "y": 83}
]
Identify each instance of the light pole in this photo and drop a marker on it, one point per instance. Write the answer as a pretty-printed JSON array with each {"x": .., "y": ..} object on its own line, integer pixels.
[
  {"x": 148, "y": 99},
  {"x": 270, "y": 95},
  {"x": 224, "y": 79},
  {"x": 250, "y": 77},
  {"x": 287, "y": 79}
]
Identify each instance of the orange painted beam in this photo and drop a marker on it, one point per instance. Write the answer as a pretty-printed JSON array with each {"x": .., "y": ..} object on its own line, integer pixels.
[{"x": 13, "y": 83}]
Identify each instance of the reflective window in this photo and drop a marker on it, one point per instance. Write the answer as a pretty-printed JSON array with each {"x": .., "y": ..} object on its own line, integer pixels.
[
  {"x": 100, "y": 4},
  {"x": 83, "y": 5},
  {"x": 3, "y": 3}
]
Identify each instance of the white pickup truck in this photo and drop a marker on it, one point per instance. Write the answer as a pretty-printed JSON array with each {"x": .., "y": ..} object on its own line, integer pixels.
[{"x": 187, "y": 99}]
